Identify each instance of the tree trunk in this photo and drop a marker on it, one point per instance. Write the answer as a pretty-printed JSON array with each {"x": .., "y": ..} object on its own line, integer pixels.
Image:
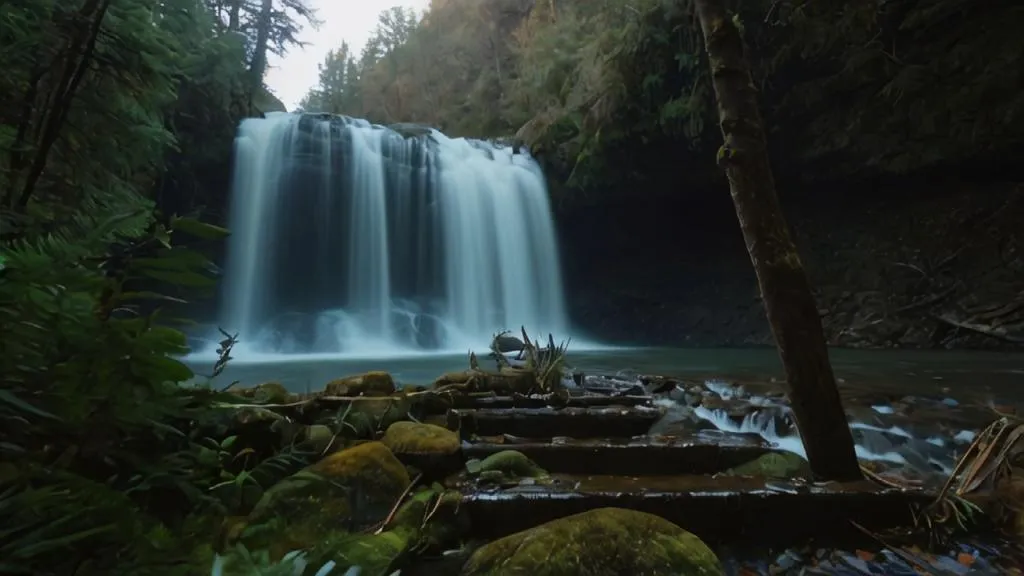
[
  {"x": 79, "y": 52},
  {"x": 785, "y": 290},
  {"x": 258, "y": 66},
  {"x": 235, "y": 16}
]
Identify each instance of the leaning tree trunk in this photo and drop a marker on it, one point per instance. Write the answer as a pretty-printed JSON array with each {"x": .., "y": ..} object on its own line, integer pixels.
[{"x": 785, "y": 290}]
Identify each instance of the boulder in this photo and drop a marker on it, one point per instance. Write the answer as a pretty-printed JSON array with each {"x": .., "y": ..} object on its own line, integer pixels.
[
  {"x": 602, "y": 542},
  {"x": 774, "y": 465},
  {"x": 266, "y": 393},
  {"x": 504, "y": 467},
  {"x": 377, "y": 383},
  {"x": 347, "y": 491},
  {"x": 431, "y": 449}
]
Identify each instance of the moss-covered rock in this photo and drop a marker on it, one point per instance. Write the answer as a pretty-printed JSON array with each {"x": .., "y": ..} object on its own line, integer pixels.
[
  {"x": 373, "y": 553},
  {"x": 774, "y": 465},
  {"x": 255, "y": 427},
  {"x": 319, "y": 439},
  {"x": 369, "y": 384},
  {"x": 416, "y": 438},
  {"x": 512, "y": 464},
  {"x": 365, "y": 418},
  {"x": 272, "y": 393},
  {"x": 426, "y": 521},
  {"x": 602, "y": 542},
  {"x": 347, "y": 491},
  {"x": 431, "y": 449}
]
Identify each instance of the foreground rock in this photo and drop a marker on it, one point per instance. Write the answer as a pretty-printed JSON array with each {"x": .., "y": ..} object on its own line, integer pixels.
[
  {"x": 774, "y": 465},
  {"x": 266, "y": 393},
  {"x": 603, "y": 542},
  {"x": 368, "y": 384},
  {"x": 432, "y": 449},
  {"x": 345, "y": 492}
]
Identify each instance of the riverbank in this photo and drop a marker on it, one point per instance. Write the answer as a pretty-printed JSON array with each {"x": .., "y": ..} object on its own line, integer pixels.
[
  {"x": 668, "y": 456},
  {"x": 920, "y": 371}
]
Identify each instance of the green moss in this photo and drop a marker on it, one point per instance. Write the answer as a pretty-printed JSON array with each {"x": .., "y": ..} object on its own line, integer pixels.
[
  {"x": 271, "y": 393},
  {"x": 318, "y": 438},
  {"x": 512, "y": 464},
  {"x": 603, "y": 542},
  {"x": 349, "y": 490},
  {"x": 266, "y": 393},
  {"x": 373, "y": 553},
  {"x": 774, "y": 465},
  {"x": 416, "y": 438},
  {"x": 368, "y": 384}
]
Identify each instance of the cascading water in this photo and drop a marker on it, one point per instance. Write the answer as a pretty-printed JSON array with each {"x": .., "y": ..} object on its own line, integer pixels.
[{"x": 354, "y": 239}]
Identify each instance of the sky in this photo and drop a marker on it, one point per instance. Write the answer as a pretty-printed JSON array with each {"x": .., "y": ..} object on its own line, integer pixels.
[{"x": 342, "y": 20}]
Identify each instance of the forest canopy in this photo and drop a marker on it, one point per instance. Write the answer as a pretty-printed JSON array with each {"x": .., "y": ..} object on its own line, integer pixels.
[{"x": 871, "y": 88}]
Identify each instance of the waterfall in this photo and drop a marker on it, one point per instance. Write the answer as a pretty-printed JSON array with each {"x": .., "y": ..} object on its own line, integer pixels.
[{"x": 355, "y": 239}]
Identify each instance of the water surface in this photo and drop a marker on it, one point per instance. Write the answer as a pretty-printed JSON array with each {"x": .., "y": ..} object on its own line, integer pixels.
[{"x": 1000, "y": 374}]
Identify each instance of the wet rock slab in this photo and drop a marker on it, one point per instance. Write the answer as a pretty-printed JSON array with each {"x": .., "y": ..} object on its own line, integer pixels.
[
  {"x": 545, "y": 401},
  {"x": 717, "y": 509},
  {"x": 549, "y": 422},
  {"x": 644, "y": 456}
]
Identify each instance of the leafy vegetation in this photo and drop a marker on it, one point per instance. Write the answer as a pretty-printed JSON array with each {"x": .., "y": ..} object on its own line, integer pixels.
[
  {"x": 116, "y": 113},
  {"x": 611, "y": 92}
]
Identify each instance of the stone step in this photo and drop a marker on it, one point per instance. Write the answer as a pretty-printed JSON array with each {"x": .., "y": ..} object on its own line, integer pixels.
[
  {"x": 545, "y": 401},
  {"x": 720, "y": 510},
  {"x": 645, "y": 456},
  {"x": 427, "y": 404},
  {"x": 615, "y": 421}
]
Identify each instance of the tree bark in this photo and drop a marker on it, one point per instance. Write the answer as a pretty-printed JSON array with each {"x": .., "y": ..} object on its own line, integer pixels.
[
  {"x": 81, "y": 47},
  {"x": 792, "y": 312},
  {"x": 258, "y": 66}
]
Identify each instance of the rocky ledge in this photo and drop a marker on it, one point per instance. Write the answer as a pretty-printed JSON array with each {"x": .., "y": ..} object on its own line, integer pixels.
[{"x": 511, "y": 471}]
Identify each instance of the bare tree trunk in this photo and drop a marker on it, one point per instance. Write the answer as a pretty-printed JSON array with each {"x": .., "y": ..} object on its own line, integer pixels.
[
  {"x": 78, "y": 57},
  {"x": 785, "y": 290},
  {"x": 235, "y": 16},
  {"x": 258, "y": 66}
]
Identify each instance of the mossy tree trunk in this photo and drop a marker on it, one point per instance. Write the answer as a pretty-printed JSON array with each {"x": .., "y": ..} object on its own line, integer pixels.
[{"x": 786, "y": 293}]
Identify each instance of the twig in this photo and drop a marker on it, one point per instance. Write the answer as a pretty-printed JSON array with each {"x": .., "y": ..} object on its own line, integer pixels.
[
  {"x": 903, "y": 555},
  {"x": 925, "y": 302},
  {"x": 947, "y": 260},
  {"x": 398, "y": 504},
  {"x": 910, "y": 266}
]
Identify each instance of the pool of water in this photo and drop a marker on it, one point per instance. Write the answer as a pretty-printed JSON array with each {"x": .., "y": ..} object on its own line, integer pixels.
[{"x": 998, "y": 374}]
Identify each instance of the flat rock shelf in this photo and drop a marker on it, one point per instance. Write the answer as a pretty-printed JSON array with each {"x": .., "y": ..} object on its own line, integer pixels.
[{"x": 598, "y": 454}]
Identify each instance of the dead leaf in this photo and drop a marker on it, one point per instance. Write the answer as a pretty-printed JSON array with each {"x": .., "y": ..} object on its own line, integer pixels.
[{"x": 866, "y": 556}]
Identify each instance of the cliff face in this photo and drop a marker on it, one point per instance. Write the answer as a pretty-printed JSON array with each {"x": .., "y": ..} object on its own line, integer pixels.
[
  {"x": 917, "y": 265},
  {"x": 895, "y": 133}
]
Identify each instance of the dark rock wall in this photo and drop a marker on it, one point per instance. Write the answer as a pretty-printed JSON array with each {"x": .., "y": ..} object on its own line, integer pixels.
[{"x": 892, "y": 265}]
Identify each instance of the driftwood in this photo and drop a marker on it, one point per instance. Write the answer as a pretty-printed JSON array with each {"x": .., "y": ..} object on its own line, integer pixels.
[
  {"x": 993, "y": 331},
  {"x": 1001, "y": 321}
]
